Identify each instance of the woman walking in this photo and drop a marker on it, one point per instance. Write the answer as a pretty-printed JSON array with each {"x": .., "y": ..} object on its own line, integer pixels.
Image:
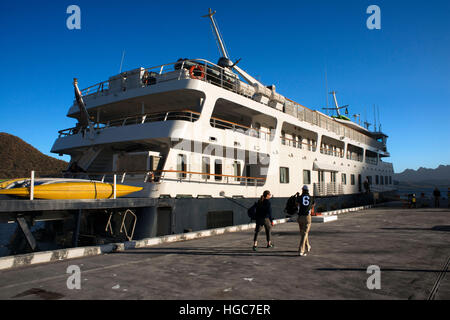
[{"x": 263, "y": 218}]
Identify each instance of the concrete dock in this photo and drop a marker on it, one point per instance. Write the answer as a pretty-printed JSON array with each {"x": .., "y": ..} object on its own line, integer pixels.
[{"x": 410, "y": 246}]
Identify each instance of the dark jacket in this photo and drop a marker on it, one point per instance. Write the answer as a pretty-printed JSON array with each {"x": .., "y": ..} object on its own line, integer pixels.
[{"x": 264, "y": 210}]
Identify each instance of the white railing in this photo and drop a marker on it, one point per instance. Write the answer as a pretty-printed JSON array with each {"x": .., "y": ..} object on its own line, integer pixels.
[{"x": 328, "y": 189}]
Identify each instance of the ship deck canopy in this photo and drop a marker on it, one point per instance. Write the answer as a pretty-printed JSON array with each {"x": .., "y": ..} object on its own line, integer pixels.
[{"x": 323, "y": 166}]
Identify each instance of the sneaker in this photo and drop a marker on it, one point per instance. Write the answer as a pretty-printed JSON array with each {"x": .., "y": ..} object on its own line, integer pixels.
[
  {"x": 302, "y": 254},
  {"x": 255, "y": 248},
  {"x": 270, "y": 245}
]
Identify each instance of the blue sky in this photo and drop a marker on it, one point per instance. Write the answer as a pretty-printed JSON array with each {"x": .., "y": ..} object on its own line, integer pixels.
[{"x": 404, "y": 68}]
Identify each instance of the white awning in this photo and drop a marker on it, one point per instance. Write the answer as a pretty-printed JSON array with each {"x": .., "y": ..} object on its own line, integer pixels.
[{"x": 322, "y": 166}]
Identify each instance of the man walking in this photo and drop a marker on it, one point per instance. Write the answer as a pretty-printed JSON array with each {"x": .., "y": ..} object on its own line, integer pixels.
[
  {"x": 437, "y": 196},
  {"x": 305, "y": 203}
]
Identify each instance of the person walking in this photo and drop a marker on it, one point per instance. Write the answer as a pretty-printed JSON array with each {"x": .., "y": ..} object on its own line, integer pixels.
[
  {"x": 306, "y": 202},
  {"x": 437, "y": 196},
  {"x": 367, "y": 186},
  {"x": 263, "y": 218}
]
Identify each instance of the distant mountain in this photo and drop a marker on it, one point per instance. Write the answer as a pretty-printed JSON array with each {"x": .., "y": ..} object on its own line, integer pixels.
[
  {"x": 18, "y": 158},
  {"x": 440, "y": 175}
]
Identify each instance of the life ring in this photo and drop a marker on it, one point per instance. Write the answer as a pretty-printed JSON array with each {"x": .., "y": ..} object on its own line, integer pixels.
[{"x": 197, "y": 67}]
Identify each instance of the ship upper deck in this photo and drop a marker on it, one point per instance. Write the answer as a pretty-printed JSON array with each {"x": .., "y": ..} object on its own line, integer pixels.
[{"x": 162, "y": 87}]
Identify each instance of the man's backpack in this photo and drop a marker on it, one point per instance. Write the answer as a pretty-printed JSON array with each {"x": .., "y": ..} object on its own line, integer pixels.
[
  {"x": 292, "y": 205},
  {"x": 252, "y": 211}
]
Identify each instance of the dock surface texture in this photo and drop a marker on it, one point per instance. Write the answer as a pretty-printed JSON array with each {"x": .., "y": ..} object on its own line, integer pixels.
[{"x": 410, "y": 246}]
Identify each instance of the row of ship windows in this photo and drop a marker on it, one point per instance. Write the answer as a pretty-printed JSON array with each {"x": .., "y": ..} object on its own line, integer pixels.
[
  {"x": 326, "y": 149},
  {"x": 284, "y": 173},
  {"x": 379, "y": 179}
]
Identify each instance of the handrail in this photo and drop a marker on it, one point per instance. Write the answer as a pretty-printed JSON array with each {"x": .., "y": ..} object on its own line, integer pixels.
[
  {"x": 211, "y": 174},
  {"x": 240, "y": 125},
  {"x": 163, "y": 171}
]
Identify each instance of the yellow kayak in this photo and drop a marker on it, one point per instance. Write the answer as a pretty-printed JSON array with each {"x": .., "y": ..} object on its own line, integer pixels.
[
  {"x": 73, "y": 190},
  {"x": 6, "y": 183}
]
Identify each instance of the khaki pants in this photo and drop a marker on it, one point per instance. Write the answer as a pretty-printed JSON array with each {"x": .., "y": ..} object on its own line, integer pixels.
[{"x": 304, "y": 223}]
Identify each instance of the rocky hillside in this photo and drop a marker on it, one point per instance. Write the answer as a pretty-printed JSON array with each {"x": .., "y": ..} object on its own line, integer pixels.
[
  {"x": 18, "y": 158},
  {"x": 439, "y": 175}
]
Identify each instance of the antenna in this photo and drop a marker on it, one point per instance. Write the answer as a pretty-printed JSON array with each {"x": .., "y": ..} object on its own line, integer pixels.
[
  {"x": 326, "y": 85},
  {"x": 121, "y": 62},
  {"x": 379, "y": 121},
  {"x": 375, "y": 119}
]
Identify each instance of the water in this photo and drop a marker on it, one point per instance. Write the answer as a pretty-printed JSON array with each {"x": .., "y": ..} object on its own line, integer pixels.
[{"x": 6, "y": 231}]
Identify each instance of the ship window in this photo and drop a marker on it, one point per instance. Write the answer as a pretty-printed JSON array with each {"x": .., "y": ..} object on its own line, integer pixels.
[
  {"x": 218, "y": 169},
  {"x": 333, "y": 176},
  {"x": 237, "y": 170},
  {"x": 284, "y": 175},
  {"x": 206, "y": 168},
  {"x": 306, "y": 177},
  {"x": 181, "y": 166},
  {"x": 344, "y": 178},
  {"x": 321, "y": 176},
  {"x": 352, "y": 178}
]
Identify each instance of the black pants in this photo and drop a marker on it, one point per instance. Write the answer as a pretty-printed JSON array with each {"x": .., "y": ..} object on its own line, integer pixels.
[{"x": 267, "y": 226}]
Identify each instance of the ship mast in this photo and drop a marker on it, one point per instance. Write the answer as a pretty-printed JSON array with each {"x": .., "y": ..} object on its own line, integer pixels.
[
  {"x": 244, "y": 74},
  {"x": 337, "y": 108}
]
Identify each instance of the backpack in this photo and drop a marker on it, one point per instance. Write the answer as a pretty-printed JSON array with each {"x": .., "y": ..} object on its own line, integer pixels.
[
  {"x": 251, "y": 212},
  {"x": 292, "y": 205}
]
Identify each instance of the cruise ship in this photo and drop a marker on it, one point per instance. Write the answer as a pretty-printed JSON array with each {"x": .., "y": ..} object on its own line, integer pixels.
[{"x": 206, "y": 139}]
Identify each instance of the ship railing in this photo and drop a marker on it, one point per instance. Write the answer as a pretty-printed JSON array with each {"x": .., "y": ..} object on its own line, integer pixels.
[
  {"x": 328, "y": 189},
  {"x": 355, "y": 157},
  {"x": 253, "y": 132},
  {"x": 331, "y": 152},
  {"x": 206, "y": 177},
  {"x": 297, "y": 144},
  {"x": 186, "y": 115},
  {"x": 158, "y": 176},
  {"x": 199, "y": 69}
]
